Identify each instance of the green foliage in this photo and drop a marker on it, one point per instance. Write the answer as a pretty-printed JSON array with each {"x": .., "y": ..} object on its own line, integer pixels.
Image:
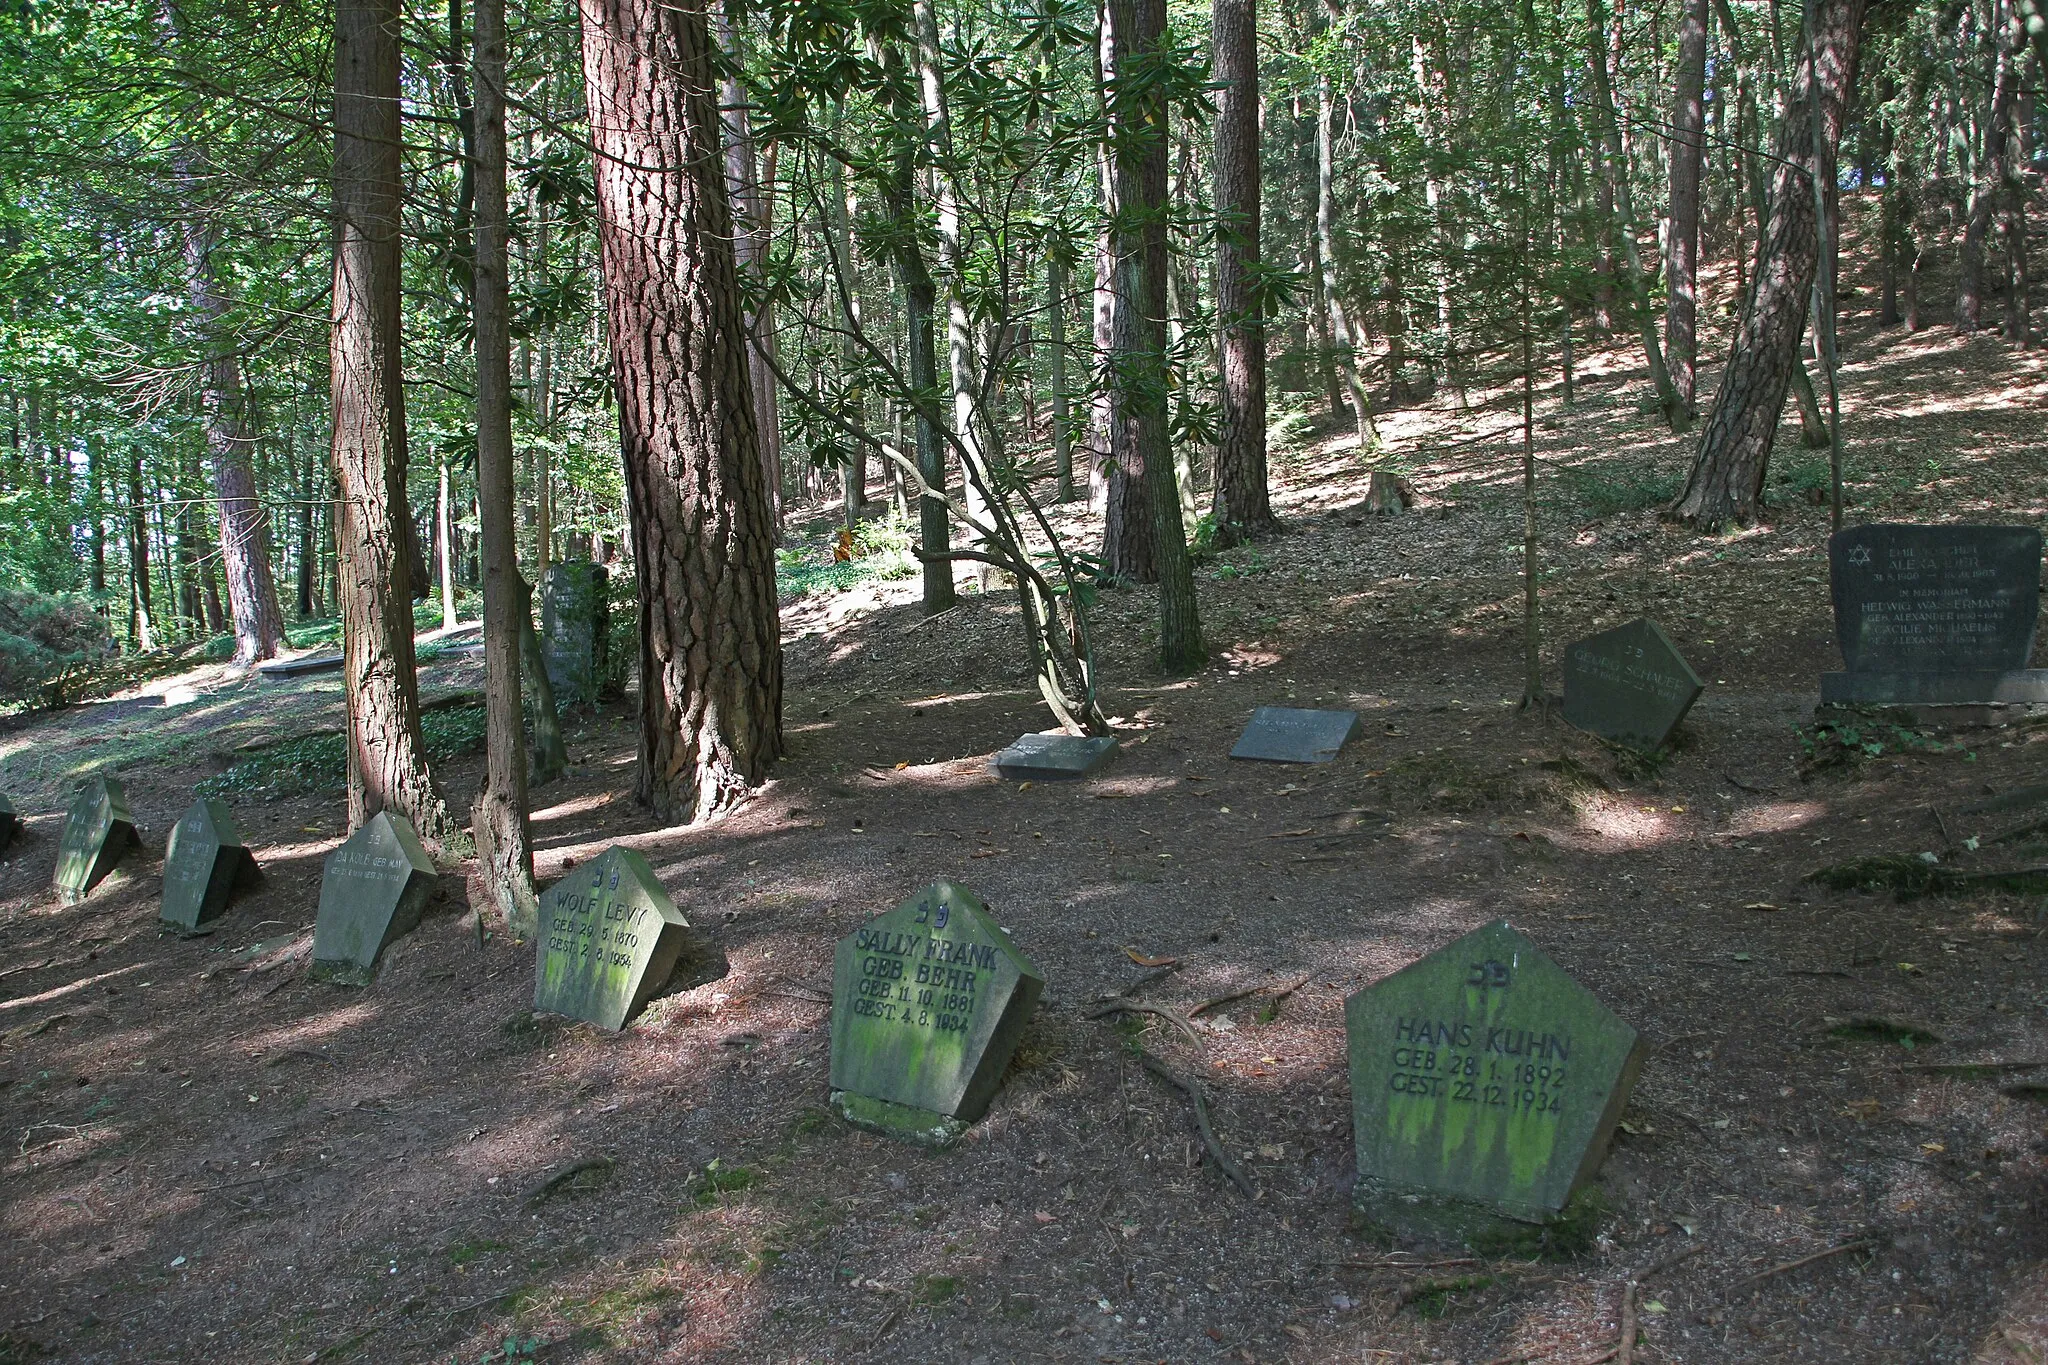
[
  {"x": 1846, "y": 738},
  {"x": 717, "y": 1179},
  {"x": 45, "y": 639},
  {"x": 1607, "y": 492},
  {"x": 510, "y": 1349},
  {"x": 310, "y": 765}
]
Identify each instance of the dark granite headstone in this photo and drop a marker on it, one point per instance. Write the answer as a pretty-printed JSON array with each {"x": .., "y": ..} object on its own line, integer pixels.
[
  {"x": 10, "y": 822},
  {"x": 1289, "y": 734},
  {"x": 610, "y": 937},
  {"x": 1043, "y": 757},
  {"x": 575, "y": 628},
  {"x": 204, "y": 861},
  {"x": 1629, "y": 684},
  {"x": 1485, "y": 1083},
  {"x": 1936, "y": 614},
  {"x": 97, "y": 831},
  {"x": 928, "y": 1002},
  {"x": 371, "y": 894},
  {"x": 286, "y": 669}
]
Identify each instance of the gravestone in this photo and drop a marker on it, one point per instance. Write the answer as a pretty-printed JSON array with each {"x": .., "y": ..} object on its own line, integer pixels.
[
  {"x": 1053, "y": 757},
  {"x": 1940, "y": 615},
  {"x": 287, "y": 669},
  {"x": 204, "y": 861},
  {"x": 575, "y": 628},
  {"x": 97, "y": 831},
  {"x": 610, "y": 937},
  {"x": 371, "y": 894},
  {"x": 10, "y": 822},
  {"x": 1485, "y": 1085},
  {"x": 1629, "y": 684},
  {"x": 928, "y": 1002},
  {"x": 1289, "y": 734}
]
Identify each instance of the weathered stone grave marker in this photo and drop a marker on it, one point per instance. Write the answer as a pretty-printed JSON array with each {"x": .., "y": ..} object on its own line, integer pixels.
[
  {"x": 97, "y": 831},
  {"x": 928, "y": 1003},
  {"x": 371, "y": 894},
  {"x": 609, "y": 938},
  {"x": 1940, "y": 615},
  {"x": 204, "y": 861},
  {"x": 10, "y": 821},
  {"x": 1290, "y": 734},
  {"x": 575, "y": 627},
  {"x": 1629, "y": 684},
  {"x": 1053, "y": 757},
  {"x": 1485, "y": 1084}
]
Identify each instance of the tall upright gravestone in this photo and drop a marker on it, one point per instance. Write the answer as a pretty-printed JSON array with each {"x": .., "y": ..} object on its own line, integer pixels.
[
  {"x": 928, "y": 1003},
  {"x": 371, "y": 894},
  {"x": 609, "y": 938},
  {"x": 1936, "y": 615},
  {"x": 204, "y": 861},
  {"x": 97, "y": 831},
  {"x": 1485, "y": 1086},
  {"x": 575, "y": 627},
  {"x": 1629, "y": 684}
]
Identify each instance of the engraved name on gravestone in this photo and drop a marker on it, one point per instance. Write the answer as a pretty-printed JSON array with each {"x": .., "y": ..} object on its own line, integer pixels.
[
  {"x": 1051, "y": 757},
  {"x": 1485, "y": 1083},
  {"x": 610, "y": 937},
  {"x": 1629, "y": 684},
  {"x": 575, "y": 626},
  {"x": 1936, "y": 614},
  {"x": 97, "y": 831},
  {"x": 204, "y": 861},
  {"x": 928, "y": 1002},
  {"x": 1290, "y": 734},
  {"x": 371, "y": 894}
]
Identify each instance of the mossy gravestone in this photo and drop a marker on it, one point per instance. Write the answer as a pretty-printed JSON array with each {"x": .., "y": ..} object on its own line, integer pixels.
[
  {"x": 928, "y": 1002},
  {"x": 204, "y": 861},
  {"x": 575, "y": 628},
  {"x": 610, "y": 937},
  {"x": 371, "y": 894},
  {"x": 1629, "y": 684},
  {"x": 97, "y": 831},
  {"x": 1485, "y": 1086}
]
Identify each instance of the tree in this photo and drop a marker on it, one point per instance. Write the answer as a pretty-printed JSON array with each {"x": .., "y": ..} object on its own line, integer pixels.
[
  {"x": 1242, "y": 507},
  {"x": 1682, "y": 238},
  {"x": 703, "y": 527}
]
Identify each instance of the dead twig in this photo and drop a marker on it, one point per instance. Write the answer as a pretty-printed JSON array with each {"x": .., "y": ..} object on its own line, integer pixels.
[
  {"x": 599, "y": 1166},
  {"x": 897, "y": 1311},
  {"x": 1119, "y": 1005},
  {"x": 1659, "y": 1267},
  {"x": 1625, "y": 1349},
  {"x": 1942, "y": 825},
  {"x": 1862, "y": 1244},
  {"x": 1278, "y": 995},
  {"x": 800, "y": 994},
  {"x": 1966, "y": 1068},
  {"x": 1740, "y": 785},
  {"x": 1193, "y": 1091}
]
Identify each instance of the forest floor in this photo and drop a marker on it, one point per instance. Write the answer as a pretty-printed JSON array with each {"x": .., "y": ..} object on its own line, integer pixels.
[{"x": 208, "y": 1157}]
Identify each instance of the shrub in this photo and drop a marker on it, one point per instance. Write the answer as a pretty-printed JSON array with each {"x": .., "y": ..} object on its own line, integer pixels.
[{"x": 44, "y": 638}]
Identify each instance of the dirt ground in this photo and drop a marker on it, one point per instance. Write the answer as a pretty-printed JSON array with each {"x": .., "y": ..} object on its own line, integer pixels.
[{"x": 208, "y": 1157}]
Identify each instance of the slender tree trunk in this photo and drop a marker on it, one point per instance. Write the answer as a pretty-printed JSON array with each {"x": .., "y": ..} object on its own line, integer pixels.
[
  {"x": 1989, "y": 185},
  {"x": 1342, "y": 352},
  {"x": 444, "y": 523},
  {"x": 387, "y": 766},
  {"x": 1681, "y": 248},
  {"x": 853, "y": 475},
  {"x": 140, "y": 631},
  {"x": 1102, "y": 409},
  {"x": 750, "y": 207},
  {"x": 547, "y": 756},
  {"x": 703, "y": 523},
  {"x": 1056, "y": 326},
  {"x": 309, "y": 545},
  {"x": 1242, "y": 505}
]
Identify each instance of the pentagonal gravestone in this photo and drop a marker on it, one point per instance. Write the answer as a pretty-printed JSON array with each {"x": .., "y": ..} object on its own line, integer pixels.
[
  {"x": 1292, "y": 734},
  {"x": 371, "y": 894},
  {"x": 609, "y": 938},
  {"x": 1629, "y": 684},
  {"x": 204, "y": 861},
  {"x": 1485, "y": 1084},
  {"x": 928, "y": 1002},
  {"x": 1054, "y": 757},
  {"x": 97, "y": 831},
  {"x": 575, "y": 626},
  {"x": 10, "y": 822}
]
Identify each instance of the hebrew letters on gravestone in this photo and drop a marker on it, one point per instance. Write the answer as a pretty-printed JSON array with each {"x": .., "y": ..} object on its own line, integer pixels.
[
  {"x": 97, "y": 831},
  {"x": 610, "y": 937},
  {"x": 204, "y": 860},
  {"x": 575, "y": 626},
  {"x": 1052, "y": 757},
  {"x": 1485, "y": 1084},
  {"x": 371, "y": 894},
  {"x": 1291, "y": 734},
  {"x": 1936, "y": 614},
  {"x": 928, "y": 1002},
  {"x": 1629, "y": 684}
]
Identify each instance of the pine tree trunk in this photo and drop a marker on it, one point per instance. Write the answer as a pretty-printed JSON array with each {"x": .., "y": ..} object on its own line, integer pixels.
[
  {"x": 1681, "y": 248},
  {"x": 1726, "y": 480},
  {"x": 1342, "y": 353},
  {"x": 703, "y": 524},
  {"x": 853, "y": 475},
  {"x": 1242, "y": 504},
  {"x": 750, "y": 208},
  {"x": 1056, "y": 325},
  {"x": 140, "y": 631},
  {"x": 1989, "y": 185},
  {"x": 444, "y": 539}
]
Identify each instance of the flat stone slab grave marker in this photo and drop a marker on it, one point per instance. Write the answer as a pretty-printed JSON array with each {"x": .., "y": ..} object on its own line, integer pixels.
[
  {"x": 97, "y": 831},
  {"x": 1053, "y": 757},
  {"x": 928, "y": 1002},
  {"x": 1290, "y": 734},
  {"x": 371, "y": 895},
  {"x": 609, "y": 938},
  {"x": 1938, "y": 615},
  {"x": 1485, "y": 1085},
  {"x": 1629, "y": 684},
  {"x": 575, "y": 621},
  {"x": 301, "y": 668},
  {"x": 204, "y": 861}
]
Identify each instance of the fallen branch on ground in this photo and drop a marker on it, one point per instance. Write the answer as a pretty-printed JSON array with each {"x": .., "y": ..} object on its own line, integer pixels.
[
  {"x": 1119, "y": 1005},
  {"x": 1193, "y": 1091},
  {"x": 1863, "y": 1244},
  {"x": 1278, "y": 995}
]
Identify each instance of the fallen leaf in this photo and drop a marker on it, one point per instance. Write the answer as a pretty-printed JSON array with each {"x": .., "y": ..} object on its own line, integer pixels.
[
  {"x": 1861, "y": 1109},
  {"x": 1044, "y": 1217},
  {"x": 1023, "y": 786},
  {"x": 1297, "y": 1331},
  {"x": 1143, "y": 961},
  {"x": 1910, "y": 970},
  {"x": 1678, "y": 810},
  {"x": 1932, "y": 1147},
  {"x": 901, "y": 766},
  {"x": 1212, "y": 1334},
  {"x": 1272, "y": 1151},
  {"x": 1653, "y": 1307},
  {"x": 1127, "y": 1229},
  {"x": 1764, "y": 906}
]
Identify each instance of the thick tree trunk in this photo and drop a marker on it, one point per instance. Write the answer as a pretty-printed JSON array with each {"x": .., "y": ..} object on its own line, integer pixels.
[
  {"x": 1726, "y": 481},
  {"x": 1681, "y": 247},
  {"x": 1242, "y": 505},
  {"x": 703, "y": 524},
  {"x": 387, "y": 766}
]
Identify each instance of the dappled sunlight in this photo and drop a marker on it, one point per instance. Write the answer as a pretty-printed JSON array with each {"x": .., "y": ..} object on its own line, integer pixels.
[
  {"x": 1775, "y": 817},
  {"x": 314, "y": 1031},
  {"x": 84, "y": 983}
]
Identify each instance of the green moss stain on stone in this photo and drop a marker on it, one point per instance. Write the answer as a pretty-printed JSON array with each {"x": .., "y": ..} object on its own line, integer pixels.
[
  {"x": 610, "y": 937},
  {"x": 97, "y": 831},
  {"x": 372, "y": 891}
]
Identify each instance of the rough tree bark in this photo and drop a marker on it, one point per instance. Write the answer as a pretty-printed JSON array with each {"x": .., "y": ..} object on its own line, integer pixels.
[
  {"x": 1242, "y": 505},
  {"x": 1727, "y": 476},
  {"x": 1126, "y": 513},
  {"x": 1992, "y": 171},
  {"x": 703, "y": 526},
  {"x": 387, "y": 762},
  {"x": 1681, "y": 247},
  {"x": 1056, "y": 327}
]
